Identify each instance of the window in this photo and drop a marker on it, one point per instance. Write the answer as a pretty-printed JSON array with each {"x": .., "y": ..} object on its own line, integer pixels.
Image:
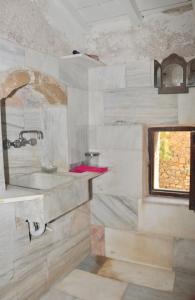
[{"x": 172, "y": 162}]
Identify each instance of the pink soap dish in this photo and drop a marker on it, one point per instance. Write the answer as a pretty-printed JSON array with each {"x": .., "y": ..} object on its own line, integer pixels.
[{"x": 85, "y": 168}]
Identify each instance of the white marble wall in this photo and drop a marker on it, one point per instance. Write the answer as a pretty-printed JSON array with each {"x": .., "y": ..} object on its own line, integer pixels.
[
  {"x": 117, "y": 192},
  {"x": 55, "y": 144},
  {"x": 186, "y": 107},
  {"x": 30, "y": 111},
  {"x": 28, "y": 268},
  {"x": 120, "y": 108},
  {"x": 77, "y": 124}
]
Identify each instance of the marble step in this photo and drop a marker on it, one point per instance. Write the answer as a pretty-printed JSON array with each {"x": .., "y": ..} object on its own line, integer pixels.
[
  {"x": 139, "y": 247},
  {"x": 87, "y": 286},
  {"x": 152, "y": 277}
]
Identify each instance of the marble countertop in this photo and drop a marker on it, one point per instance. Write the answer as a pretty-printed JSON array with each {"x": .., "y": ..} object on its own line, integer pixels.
[{"x": 16, "y": 193}]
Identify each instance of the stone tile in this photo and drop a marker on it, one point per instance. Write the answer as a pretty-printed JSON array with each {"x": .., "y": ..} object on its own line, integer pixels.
[
  {"x": 119, "y": 137},
  {"x": 67, "y": 256},
  {"x": 74, "y": 74},
  {"x": 88, "y": 286},
  {"x": 77, "y": 124},
  {"x": 186, "y": 108},
  {"x": 11, "y": 56},
  {"x": 184, "y": 290},
  {"x": 131, "y": 107},
  {"x": 139, "y": 73},
  {"x": 185, "y": 285},
  {"x": 97, "y": 240},
  {"x": 42, "y": 62},
  {"x": 125, "y": 174},
  {"x": 92, "y": 264},
  {"x": 57, "y": 295},
  {"x": 184, "y": 255},
  {"x": 139, "y": 248},
  {"x": 163, "y": 219},
  {"x": 113, "y": 211},
  {"x": 156, "y": 278},
  {"x": 96, "y": 108},
  {"x": 107, "y": 78},
  {"x": 135, "y": 292}
]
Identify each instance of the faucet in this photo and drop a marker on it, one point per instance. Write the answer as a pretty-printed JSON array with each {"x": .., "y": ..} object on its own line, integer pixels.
[
  {"x": 21, "y": 142},
  {"x": 38, "y": 132}
]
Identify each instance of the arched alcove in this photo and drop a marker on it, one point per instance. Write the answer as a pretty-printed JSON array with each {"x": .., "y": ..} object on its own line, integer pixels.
[{"x": 31, "y": 100}]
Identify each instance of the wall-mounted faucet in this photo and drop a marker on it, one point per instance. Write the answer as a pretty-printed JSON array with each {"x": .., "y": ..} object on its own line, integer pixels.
[
  {"x": 21, "y": 142},
  {"x": 39, "y": 133}
]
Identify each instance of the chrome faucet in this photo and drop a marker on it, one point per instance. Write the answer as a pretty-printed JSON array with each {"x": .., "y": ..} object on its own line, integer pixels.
[
  {"x": 21, "y": 142},
  {"x": 38, "y": 132}
]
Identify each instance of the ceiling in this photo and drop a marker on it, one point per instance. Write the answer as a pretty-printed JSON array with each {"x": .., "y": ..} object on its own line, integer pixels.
[
  {"x": 74, "y": 19},
  {"x": 95, "y": 11}
]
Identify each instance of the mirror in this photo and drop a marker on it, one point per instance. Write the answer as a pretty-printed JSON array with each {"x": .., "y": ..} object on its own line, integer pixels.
[{"x": 172, "y": 75}]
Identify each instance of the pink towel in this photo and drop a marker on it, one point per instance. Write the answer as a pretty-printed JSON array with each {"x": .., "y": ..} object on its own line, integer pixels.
[{"x": 84, "y": 168}]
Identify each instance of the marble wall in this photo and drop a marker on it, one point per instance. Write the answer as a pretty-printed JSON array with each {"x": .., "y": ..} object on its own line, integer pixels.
[
  {"x": 77, "y": 124},
  {"x": 29, "y": 268},
  {"x": 122, "y": 104},
  {"x": 29, "y": 110}
]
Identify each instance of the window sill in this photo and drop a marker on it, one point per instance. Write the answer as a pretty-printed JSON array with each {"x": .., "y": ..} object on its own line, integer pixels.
[{"x": 167, "y": 200}]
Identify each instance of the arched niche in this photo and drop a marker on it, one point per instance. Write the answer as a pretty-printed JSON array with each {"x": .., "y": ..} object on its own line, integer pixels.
[
  {"x": 45, "y": 84},
  {"x": 14, "y": 81},
  {"x": 170, "y": 75}
]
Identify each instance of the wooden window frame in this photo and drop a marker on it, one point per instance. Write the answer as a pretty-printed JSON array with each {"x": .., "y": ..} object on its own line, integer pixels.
[{"x": 161, "y": 192}]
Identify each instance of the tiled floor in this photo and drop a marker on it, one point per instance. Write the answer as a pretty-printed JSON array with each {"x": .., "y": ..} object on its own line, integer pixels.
[{"x": 85, "y": 283}]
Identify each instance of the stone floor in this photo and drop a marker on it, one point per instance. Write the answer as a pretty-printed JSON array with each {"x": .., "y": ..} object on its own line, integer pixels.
[{"x": 84, "y": 283}]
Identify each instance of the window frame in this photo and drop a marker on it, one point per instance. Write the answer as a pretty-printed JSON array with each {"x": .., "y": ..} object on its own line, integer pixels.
[{"x": 152, "y": 190}]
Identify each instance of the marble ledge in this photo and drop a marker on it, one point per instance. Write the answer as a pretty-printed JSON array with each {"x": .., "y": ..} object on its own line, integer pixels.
[
  {"x": 167, "y": 201},
  {"x": 16, "y": 194}
]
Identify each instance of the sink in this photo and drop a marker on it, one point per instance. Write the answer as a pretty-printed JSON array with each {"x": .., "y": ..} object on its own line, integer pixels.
[{"x": 40, "y": 181}]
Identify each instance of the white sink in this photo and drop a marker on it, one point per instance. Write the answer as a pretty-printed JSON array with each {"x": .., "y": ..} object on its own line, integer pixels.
[{"x": 40, "y": 181}]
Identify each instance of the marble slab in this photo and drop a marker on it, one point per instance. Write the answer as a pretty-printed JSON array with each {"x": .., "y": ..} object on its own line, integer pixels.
[
  {"x": 186, "y": 108},
  {"x": 97, "y": 240},
  {"x": 155, "y": 278},
  {"x": 114, "y": 211},
  {"x": 117, "y": 137},
  {"x": 11, "y": 55},
  {"x": 73, "y": 71},
  {"x": 139, "y": 247},
  {"x": 139, "y": 73},
  {"x": 7, "y": 226},
  {"x": 184, "y": 289},
  {"x": 107, "y": 78},
  {"x": 140, "y": 105},
  {"x": 57, "y": 295},
  {"x": 89, "y": 286},
  {"x": 184, "y": 255},
  {"x": 96, "y": 108},
  {"x": 125, "y": 173},
  {"x": 78, "y": 142},
  {"x": 42, "y": 62}
]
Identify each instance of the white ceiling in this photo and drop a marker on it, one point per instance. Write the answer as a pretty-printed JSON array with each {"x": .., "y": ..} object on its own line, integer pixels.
[
  {"x": 74, "y": 18},
  {"x": 93, "y": 11}
]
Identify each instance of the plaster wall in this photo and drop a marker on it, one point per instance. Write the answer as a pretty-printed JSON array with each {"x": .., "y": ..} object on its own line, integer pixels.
[{"x": 157, "y": 36}]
